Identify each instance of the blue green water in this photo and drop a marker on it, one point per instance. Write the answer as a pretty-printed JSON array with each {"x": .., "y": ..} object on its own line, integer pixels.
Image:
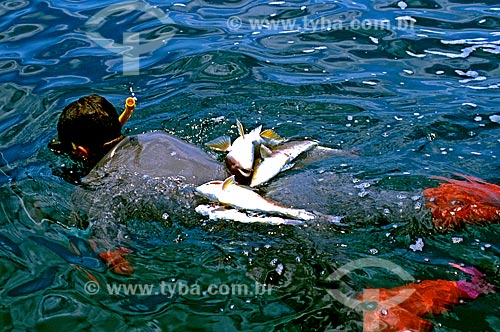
[{"x": 412, "y": 99}]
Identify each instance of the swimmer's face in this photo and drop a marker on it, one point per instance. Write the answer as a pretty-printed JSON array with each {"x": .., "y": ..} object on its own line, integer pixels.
[{"x": 77, "y": 153}]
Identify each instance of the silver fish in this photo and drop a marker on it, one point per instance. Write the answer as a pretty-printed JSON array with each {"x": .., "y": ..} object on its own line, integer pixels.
[
  {"x": 216, "y": 212},
  {"x": 229, "y": 193},
  {"x": 277, "y": 160},
  {"x": 241, "y": 154}
]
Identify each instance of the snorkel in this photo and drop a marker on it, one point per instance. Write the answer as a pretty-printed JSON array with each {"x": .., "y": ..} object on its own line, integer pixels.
[{"x": 128, "y": 111}]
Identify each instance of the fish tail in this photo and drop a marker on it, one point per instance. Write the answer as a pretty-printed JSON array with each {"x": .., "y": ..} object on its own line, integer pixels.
[{"x": 476, "y": 286}]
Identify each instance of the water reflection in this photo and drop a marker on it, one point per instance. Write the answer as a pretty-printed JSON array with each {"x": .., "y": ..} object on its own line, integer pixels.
[{"x": 409, "y": 103}]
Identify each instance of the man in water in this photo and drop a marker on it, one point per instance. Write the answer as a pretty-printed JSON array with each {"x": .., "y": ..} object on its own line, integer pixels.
[
  {"x": 147, "y": 177},
  {"x": 151, "y": 178}
]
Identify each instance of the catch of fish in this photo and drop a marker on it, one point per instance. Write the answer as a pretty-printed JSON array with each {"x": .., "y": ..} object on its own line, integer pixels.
[
  {"x": 274, "y": 161},
  {"x": 228, "y": 192},
  {"x": 253, "y": 159},
  {"x": 241, "y": 153}
]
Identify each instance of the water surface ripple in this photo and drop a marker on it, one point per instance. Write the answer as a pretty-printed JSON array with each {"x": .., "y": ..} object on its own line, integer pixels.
[{"x": 411, "y": 87}]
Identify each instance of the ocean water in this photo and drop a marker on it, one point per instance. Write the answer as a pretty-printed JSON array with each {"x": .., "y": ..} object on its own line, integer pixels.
[{"x": 408, "y": 89}]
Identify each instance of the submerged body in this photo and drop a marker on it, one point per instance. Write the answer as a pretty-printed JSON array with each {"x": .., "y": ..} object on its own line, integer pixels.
[
  {"x": 158, "y": 154},
  {"x": 149, "y": 177}
]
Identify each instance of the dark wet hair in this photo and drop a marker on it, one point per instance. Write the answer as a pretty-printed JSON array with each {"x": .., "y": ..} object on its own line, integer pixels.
[{"x": 90, "y": 122}]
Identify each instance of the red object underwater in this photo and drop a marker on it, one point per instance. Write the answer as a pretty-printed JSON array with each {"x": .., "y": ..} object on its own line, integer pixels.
[
  {"x": 118, "y": 264},
  {"x": 457, "y": 203},
  {"x": 429, "y": 297}
]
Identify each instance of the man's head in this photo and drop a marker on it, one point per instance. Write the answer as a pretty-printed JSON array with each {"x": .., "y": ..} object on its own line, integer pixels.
[{"x": 87, "y": 128}]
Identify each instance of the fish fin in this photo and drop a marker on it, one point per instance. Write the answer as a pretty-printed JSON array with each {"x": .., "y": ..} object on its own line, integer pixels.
[
  {"x": 222, "y": 143},
  {"x": 75, "y": 249},
  {"x": 265, "y": 152},
  {"x": 92, "y": 244},
  {"x": 468, "y": 269},
  {"x": 87, "y": 273},
  {"x": 257, "y": 130},
  {"x": 271, "y": 135},
  {"x": 228, "y": 182},
  {"x": 241, "y": 131}
]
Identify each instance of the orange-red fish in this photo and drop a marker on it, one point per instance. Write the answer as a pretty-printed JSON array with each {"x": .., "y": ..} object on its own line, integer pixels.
[
  {"x": 429, "y": 297},
  {"x": 118, "y": 264},
  {"x": 456, "y": 203}
]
